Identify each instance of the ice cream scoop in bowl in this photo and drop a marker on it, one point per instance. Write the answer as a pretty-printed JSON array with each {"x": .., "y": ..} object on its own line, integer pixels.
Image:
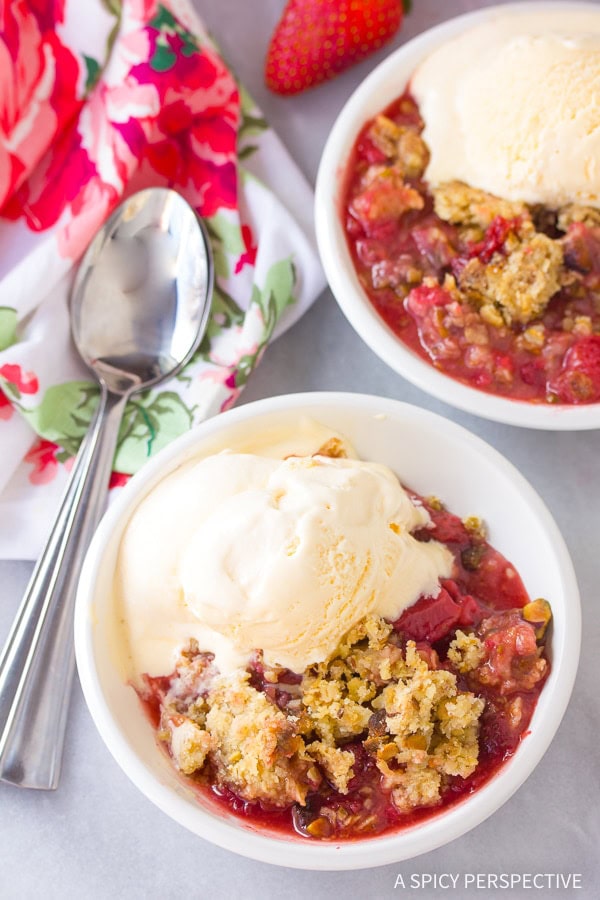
[
  {"x": 139, "y": 307},
  {"x": 428, "y": 454}
]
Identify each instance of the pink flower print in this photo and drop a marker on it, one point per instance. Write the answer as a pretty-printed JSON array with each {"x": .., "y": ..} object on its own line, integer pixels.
[
  {"x": 227, "y": 379},
  {"x": 6, "y": 407},
  {"x": 39, "y": 77},
  {"x": 178, "y": 150},
  {"x": 118, "y": 479},
  {"x": 90, "y": 209},
  {"x": 25, "y": 382},
  {"x": 248, "y": 257},
  {"x": 230, "y": 384},
  {"x": 141, "y": 10},
  {"x": 56, "y": 182},
  {"x": 109, "y": 132},
  {"x": 192, "y": 142},
  {"x": 42, "y": 457},
  {"x": 47, "y": 12}
]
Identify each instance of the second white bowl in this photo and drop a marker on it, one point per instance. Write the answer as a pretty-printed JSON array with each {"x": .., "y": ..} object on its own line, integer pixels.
[{"x": 378, "y": 90}]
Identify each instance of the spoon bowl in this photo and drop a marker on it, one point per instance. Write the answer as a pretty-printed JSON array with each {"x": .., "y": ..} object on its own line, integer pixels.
[
  {"x": 139, "y": 308},
  {"x": 138, "y": 302}
]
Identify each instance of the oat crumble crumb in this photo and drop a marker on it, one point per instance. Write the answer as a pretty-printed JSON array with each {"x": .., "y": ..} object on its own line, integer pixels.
[
  {"x": 574, "y": 213},
  {"x": 408, "y": 712},
  {"x": 256, "y": 748},
  {"x": 335, "y": 762},
  {"x": 459, "y": 204},
  {"x": 189, "y": 744},
  {"x": 465, "y": 652},
  {"x": 476, "y": 527},
  {"x": 519, "y": 284}
]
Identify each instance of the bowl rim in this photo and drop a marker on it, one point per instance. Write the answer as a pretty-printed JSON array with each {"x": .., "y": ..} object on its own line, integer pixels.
[
  {"x": 397, "y": 846},
  {"x": 339, "y": 268}
]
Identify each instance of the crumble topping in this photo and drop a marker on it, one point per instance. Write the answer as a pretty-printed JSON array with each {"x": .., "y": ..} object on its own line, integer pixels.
[
  {"x": 414, "y": 787},
  {"x": 460, "y": 204},
  {"x": 465, "y": 651},
  {"x": 189, "y": 743},
  {"x": 419, "y": 726},
  {"x": 337, "y": 764},
  {"x": 400, "y": 144},
  {"x": 573, "y": 213},
  {"x": 520, "y": 284},
  {"x": 256, "y": 748}
]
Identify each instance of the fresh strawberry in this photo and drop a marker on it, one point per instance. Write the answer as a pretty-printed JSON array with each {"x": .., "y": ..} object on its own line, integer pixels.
[{"x": 316, "y": 39}]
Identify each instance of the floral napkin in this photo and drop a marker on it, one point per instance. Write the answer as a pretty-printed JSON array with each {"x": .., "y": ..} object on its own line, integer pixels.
[{"x": 98, "y": 100}]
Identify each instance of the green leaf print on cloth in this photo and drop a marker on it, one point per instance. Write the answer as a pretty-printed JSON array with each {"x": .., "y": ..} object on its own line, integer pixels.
[
  {"x": 226, "y": 241},
  {"x": 65, "y": 413},
  {"x": 154, "y": 418},
  {"x": 276, "y": 295},
  {"x": 94, "y": 71},
  {"x": 150, "y": 422},
  {"x": 164, "y": 57},
  {"x": 8, "y": 327}
]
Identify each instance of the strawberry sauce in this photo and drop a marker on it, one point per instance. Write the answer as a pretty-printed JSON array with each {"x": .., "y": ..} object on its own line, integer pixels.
[{"x": 395, "y": 246}]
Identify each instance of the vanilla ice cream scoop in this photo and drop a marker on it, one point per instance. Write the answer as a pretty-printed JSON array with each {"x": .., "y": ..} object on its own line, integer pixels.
[
  {"x": 246, "y": 553},
  {"x": 512, "y": 107}
]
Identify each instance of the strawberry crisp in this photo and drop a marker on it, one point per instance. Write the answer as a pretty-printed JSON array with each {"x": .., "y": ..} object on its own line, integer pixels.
[
  {"x": 499, "y": 295},
  {"x": 404, "y": 719}
]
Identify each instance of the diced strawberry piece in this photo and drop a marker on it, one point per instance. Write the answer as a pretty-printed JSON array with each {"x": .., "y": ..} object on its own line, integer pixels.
[
  {"x": 470, "y": 611},
  {"x": 585, "y": 354},
  {"x": 366, "y": 149},
  {"x": 512, "y": 662},
  {"x": 371, "y": 251},
  {"x": 316, "y": 39},
  {"x": 533, "y": 373},
  {"x": 494, "y": 238},
  {"x": 421, "y": 299},
  {"x": 453, "y": 589},
  {"x": 353, "y": 227},
  {"x": 384, "y": 201},
  {"x": 482, "y": 379},
  {"x": 430, "y": 618},
  {"x": 579, "y": 379},
  {"x": 496, "y": 582},
  {"x": 447, "y": 527},
  {"x": 434, "y": 244},
  {"x": 582, "y": 248}
]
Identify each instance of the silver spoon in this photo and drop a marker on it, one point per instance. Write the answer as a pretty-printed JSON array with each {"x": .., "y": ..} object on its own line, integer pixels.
[{"x": 139, "y": 308}]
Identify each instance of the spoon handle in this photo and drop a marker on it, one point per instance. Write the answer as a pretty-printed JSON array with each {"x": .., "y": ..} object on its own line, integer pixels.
[{"x": 37, "y": 663}]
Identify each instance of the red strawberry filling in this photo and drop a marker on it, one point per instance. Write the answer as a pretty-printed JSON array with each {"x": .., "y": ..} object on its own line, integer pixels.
[{"x": 500, "y": 296}]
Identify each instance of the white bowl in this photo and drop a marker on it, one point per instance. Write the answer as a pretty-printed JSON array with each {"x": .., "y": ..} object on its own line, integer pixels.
[
  {"x": 378, "y": 90},
  {"x": 429, "y": 454}
]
